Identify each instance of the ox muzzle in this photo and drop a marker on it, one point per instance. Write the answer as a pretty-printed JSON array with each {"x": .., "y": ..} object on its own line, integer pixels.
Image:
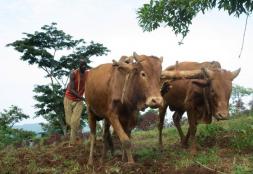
[
  {"x": 221, "y": 116},
  {"x": 154, "y": 102}
]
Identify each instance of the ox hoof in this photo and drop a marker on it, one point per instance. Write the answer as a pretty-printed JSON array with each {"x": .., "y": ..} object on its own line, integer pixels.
[
  {"x": 161, "y": 149},
  {"x": 193, "y": 151},
  {"x": 129, "y": 163},
  {"x": 184, "y": 144}
]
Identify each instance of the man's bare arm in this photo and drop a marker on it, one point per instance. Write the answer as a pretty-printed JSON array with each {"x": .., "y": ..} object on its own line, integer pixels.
[{"x": 72, "y": 87}]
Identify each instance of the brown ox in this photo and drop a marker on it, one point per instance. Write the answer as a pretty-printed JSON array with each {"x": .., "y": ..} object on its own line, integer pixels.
[
  {"x": 200, "y": 98},
  {"x": 116, "y": 92}
]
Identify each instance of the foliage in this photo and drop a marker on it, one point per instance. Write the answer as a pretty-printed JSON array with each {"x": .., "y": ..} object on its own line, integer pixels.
[
  {"x": 242, "y": 133},
  {"x": 209, "y": 157},
  {"x": 251, "y": 105},
  {"x": 9, "y": 117},
  {"x": 56, "y": 53},
  {"x": 148, "y": 120},
  {"x": 8, "y": 135},
  {"x": 238, "y": 92},
  {"x": 178, "y": 14},
  {"x": 222, "y": 156},
  {"x": 208, "y": 133},
  {"x": 14, "y": 137},
  {"x": 147, "y": 152}
]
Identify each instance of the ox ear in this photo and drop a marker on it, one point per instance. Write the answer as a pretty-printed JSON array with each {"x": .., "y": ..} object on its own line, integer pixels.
[
  {"x": 125, "y": 67},
  {"x": 235, "y": 73},
  {"x": 126, "y": 59},
  {"x": 122, "y": 66},
  {"x": 166, "y": 86},
  {"x": 201, "y": 83}
]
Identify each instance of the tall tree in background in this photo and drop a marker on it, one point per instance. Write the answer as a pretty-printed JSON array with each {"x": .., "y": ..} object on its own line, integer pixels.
[
  {"x": 56, "y": 53},
  {"x": 238, "y": 92},
  {"x": 178, "y": 14}
]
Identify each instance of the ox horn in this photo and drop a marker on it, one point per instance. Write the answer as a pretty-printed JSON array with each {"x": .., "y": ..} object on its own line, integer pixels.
[
  {"x": 235, "y": 73},
  {"x": 136, "y": 57},
  {"x": 208, "y": 72},
  {"x": 181, "y": 74}
]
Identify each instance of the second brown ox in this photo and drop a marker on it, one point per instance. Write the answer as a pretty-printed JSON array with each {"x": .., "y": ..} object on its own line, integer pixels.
[
  {"x": 116, "y": 92},
  {"x": 200, "y": 98}
]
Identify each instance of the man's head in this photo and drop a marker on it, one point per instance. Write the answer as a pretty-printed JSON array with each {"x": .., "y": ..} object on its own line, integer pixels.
[{"x": 82, "y": 65}]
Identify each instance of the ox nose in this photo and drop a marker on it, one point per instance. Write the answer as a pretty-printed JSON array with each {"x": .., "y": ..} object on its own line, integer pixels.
[
  {"x": 221, "y": 115},
  {"x": 154, "y": 102}
]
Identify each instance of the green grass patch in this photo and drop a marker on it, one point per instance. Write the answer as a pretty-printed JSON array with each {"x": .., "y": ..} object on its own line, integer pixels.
[
  {"x": 224, "y": 146},
  {"x": 242, "y": 169},
  {"x": 208, "y": 157}
]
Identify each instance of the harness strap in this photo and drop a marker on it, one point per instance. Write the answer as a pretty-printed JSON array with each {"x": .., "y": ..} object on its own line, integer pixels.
[{"x": 124, "y": 88}]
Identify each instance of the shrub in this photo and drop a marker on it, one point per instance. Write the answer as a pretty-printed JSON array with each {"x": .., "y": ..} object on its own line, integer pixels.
[{"x": 148, "y": 121}]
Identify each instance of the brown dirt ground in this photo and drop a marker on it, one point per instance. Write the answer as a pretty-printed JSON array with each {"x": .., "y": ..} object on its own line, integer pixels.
[{"x": 46, "y": 158}]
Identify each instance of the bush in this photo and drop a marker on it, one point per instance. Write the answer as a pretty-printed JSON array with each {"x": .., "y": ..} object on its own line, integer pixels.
[
  {"x": 15, "y": 137},
  {"x": 209, "y": 133},
  {"x": 148, "y": 120},
  {"x": 242, "y": 138}
]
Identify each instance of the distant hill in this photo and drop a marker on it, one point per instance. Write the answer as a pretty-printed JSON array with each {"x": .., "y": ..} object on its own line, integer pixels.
[{"x": 35, "y": 127}]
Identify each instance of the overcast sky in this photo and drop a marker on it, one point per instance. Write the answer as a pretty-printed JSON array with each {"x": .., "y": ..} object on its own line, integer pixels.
[{"x": 213, "y": 36}]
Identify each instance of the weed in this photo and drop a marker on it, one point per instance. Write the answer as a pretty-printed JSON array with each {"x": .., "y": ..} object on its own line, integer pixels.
[
  {"x": 208, "y": 133},
  {"x": 208, "y": 157},
  {"x": 241, "y": 169}
]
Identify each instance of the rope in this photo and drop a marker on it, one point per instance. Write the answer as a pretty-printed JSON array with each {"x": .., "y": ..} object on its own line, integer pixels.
[{"x": 243, "y": 35}]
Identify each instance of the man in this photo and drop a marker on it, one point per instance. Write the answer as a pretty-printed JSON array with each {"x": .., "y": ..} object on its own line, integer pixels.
[{"x": 73, "y": 100}]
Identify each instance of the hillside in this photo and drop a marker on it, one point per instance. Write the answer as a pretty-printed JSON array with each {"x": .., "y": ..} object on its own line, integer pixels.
[{"x": 225, "y": 147}]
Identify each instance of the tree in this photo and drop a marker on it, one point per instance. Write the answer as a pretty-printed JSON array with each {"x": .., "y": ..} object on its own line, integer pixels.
[
  {"x": 148, "y": 120},
  {"x": 8, "y": 135},
  {"x": 251, "y": 105},
  {"x": 56, "y": 53},
  {"x": 9, "y": 117},
  {"x": 178, "y": 14},
  {"x": 237, "y": 104}
]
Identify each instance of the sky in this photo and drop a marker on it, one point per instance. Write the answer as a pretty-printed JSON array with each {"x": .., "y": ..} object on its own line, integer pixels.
[{"x": 213, "y": 36}]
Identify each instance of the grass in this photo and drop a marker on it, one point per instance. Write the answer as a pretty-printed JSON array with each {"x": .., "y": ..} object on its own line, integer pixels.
[{"x": 225, "y": 146}]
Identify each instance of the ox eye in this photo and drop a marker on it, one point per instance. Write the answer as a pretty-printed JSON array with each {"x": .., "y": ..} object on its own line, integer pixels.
[{"x": 143, "y": 74}]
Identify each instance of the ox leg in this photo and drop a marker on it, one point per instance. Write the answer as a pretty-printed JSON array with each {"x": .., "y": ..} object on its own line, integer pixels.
[
  {"x": 92, "y": 125},
  {"x": 110, "y": 142},
  {"x": 177, "y": 116},
  {"x": 162, "y": 112},
  {"x": 124, "y": 154},
  {"x": 107, "y": 140},
  {"x": 124, "y": 139},
  {"x": 186, "y": 139},
  {"x": 192, "y": 135}
]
